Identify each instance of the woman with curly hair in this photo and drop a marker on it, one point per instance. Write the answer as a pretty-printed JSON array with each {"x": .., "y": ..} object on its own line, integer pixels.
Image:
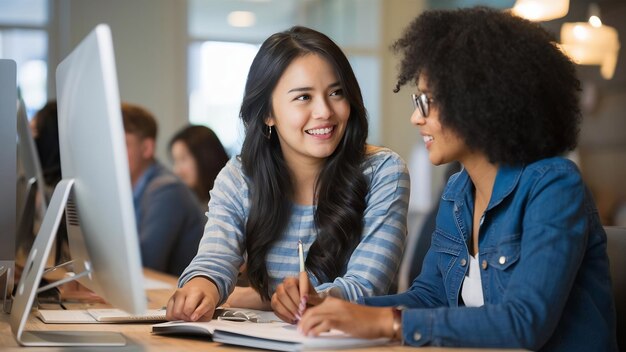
[
  {"x": 305, "y": 175},
  {"x": 518, "y": 257}
]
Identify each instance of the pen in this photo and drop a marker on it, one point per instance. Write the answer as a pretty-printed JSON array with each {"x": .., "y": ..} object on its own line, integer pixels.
[{"x": 303, "y": 283}]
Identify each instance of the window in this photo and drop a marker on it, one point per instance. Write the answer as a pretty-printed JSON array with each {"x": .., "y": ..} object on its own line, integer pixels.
[
  {"x": 24, "y": 38},
  {"x": 217, "y": 80}
]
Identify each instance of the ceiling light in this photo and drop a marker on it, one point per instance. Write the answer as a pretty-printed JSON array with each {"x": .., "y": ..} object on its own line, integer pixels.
[
  {"x": 541, "y": 10},
  {"x": 591, "y": 43},
  {"x": 241, "y": 19}
]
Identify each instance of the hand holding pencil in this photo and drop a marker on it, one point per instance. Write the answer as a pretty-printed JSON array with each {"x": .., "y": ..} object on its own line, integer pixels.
[{"x": 292, "y": 296}]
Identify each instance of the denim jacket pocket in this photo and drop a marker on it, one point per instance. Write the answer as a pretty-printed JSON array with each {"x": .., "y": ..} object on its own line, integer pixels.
[
  {"x": 504, "y": 258},
  {"x": 448, "y": 249}
]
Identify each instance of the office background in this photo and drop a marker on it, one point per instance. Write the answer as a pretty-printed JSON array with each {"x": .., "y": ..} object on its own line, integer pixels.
[{"x": 185, "y": 62}]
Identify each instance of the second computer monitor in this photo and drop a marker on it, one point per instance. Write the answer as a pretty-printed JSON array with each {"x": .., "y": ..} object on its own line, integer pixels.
[{"x": 8, "y": 97}]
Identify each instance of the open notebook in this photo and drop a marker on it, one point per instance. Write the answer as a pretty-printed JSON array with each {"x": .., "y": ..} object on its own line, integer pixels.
[{"x": 277, "y": 336}]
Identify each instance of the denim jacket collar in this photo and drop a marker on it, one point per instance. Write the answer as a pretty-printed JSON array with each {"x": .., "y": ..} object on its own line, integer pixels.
[{"x": 507, "y": 178}]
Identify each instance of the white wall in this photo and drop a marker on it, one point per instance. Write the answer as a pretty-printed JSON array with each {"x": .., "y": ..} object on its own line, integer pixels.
[
  {"x": 397, "y": 132},
  {"x": 150, "y": 41}
]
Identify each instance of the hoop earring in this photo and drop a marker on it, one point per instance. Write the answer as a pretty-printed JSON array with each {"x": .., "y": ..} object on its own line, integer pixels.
[{"x": 269, "y": 132}]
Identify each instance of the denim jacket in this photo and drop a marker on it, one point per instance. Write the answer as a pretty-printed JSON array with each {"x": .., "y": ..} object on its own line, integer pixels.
[{"x": 544, "y": 267}]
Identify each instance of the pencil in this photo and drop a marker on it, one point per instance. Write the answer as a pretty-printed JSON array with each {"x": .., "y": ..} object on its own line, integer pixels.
[{"x": 303, "y": 283}]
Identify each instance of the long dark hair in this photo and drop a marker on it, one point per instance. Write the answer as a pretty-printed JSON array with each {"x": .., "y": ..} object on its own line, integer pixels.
[
  {"x": 207, "y": 151},
  {"x": 341, "y": 187}
]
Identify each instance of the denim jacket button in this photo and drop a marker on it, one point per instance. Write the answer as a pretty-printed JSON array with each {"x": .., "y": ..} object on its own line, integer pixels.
[
  {"x": 484, "y": 265},
  {"x": 463, "y": 262},
  {"x": 417, "y": 336},
  {"x": 502, "y": 260}
]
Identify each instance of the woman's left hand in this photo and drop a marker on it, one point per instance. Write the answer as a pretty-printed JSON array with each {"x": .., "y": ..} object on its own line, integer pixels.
[{"x": 353, "y": 319}]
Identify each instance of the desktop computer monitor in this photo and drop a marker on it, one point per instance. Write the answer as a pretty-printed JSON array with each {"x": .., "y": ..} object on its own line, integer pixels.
[
  {"x": 8, "y": 97},
  {"x": 96, "y": 194},
  {"x": 93, "y": 154},
  {"x": 32, "y": 201}
]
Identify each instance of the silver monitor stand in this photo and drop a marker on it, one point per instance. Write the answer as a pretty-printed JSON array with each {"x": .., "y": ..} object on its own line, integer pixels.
[
  {"x": 28, "y": 287},
  {"x": 8, "y": 179}
]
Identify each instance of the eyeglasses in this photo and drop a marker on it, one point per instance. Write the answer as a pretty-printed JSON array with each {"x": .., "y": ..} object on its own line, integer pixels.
[{"x": 421, "y": 102}]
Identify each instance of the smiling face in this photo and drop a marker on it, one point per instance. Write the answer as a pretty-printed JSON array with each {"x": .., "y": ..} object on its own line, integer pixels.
[
  {"x": 443, "y": 144},
  {"x": 309, "y": 111}
]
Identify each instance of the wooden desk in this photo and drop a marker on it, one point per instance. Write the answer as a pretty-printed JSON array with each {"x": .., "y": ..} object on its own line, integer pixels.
[{"x": 139, "y": 336}]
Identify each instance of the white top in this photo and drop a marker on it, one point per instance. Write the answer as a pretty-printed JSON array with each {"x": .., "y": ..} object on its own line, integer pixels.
[{"x": 472, "y": 290}]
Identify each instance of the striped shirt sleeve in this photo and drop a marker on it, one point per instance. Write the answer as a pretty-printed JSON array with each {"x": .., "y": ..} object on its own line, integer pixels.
[
  {"x": 220, "y": 253},
  {"x": 375, "y": 261}
]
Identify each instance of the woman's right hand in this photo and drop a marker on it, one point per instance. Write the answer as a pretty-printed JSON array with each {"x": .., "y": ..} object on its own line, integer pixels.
[
  {"x": 194, "y": 301},
  {"x": 287, "y": 299}
]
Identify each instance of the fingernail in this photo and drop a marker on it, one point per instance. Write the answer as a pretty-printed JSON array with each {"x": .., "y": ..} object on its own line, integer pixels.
[
  {"x": 302, "y": 304},
  {"x": 194, "y": 317}
]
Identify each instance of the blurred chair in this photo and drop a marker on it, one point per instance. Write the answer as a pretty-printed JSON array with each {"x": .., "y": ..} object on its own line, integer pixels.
[{"x": 616, "y": 250}]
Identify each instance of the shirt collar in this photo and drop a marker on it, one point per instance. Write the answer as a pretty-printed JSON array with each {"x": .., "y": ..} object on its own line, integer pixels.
[
  {"x": 460, "y": 186},
  {"x": 142, "y": 181}
]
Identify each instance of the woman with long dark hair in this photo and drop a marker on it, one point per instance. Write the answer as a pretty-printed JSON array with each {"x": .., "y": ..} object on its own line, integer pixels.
[
  {"x": 305, "y": 174},
  {"x": 198, "y": 157}
]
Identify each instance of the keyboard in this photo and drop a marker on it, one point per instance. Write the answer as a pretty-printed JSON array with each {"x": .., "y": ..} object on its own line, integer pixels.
[{"x": 98, "y": 316}]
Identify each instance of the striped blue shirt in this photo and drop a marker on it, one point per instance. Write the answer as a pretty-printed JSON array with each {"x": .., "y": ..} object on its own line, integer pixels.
[{"x": 372, "y": 266}]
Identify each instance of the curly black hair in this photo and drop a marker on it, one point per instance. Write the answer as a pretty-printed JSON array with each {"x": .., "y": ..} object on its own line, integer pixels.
[{"x": 499, "y": 81}]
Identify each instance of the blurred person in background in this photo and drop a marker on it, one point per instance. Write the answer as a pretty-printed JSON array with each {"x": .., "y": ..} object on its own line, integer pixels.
[
  {"x": 169, "y": 218},
  {"x": 198, "y": 157}
]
